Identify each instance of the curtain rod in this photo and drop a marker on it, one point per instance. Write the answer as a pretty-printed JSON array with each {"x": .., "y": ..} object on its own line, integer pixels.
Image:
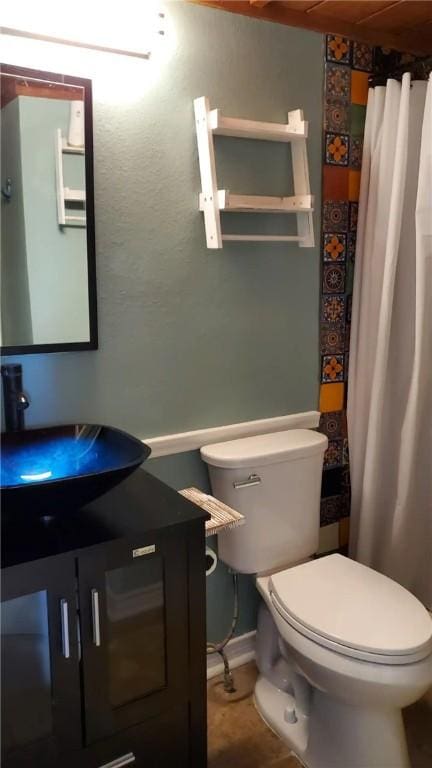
[{"x": 420, "y": 68}]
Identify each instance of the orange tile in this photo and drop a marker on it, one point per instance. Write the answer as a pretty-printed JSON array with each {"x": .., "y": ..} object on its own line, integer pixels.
[
  {"x": 335, "y": 183},
  {"x": 344, "y": 526},
  {"x": 331, "y": 397},
  {"x": 353, "y": 185},
  {"x": 359, "y": 87}
]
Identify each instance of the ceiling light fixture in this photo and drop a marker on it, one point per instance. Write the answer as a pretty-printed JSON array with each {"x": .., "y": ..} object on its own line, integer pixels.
[{"x": 89, "y": 25}]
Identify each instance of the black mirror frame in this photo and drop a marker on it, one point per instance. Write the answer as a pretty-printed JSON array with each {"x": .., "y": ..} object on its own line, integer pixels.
[{"x": 86, "y": 85}]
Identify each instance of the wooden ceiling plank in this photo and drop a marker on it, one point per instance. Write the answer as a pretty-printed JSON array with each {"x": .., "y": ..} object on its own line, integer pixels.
[
  {"x": 384, "y": 8},
  {"x": 348, "y": 10},
  {"x": 312, "y": 7},
  {"x": 410, "y": 42},
  {"x": 300, "y": 5},
  {"x": 400, "y": 16}
]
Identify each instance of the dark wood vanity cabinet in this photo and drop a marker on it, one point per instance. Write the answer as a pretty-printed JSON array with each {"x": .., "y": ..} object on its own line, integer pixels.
[
  {"x": 103, "y": 645},
  {"x": 40, "y": 671}
]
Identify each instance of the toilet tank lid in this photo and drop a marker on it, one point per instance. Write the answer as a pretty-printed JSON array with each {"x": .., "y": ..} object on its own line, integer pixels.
[{"x": 259, "y": 450}]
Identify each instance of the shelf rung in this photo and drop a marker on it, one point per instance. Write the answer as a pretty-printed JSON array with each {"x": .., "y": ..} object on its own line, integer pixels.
[
  {"x": 76, "y": 220},
  {"x": 68, "y": 149},
  {"x": 252, "y": 129},
  {"x": 263, "y": 238},
  {"x": 260, "y": 204},
  {"x": 74, "y": 195}
]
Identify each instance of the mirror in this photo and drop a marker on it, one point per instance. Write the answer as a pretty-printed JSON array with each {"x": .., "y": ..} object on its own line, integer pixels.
[{"x": 47, "y": 248}]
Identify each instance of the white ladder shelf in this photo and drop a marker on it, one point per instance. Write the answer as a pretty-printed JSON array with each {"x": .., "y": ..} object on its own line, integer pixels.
[
  {"x": 66, "y": 194},
  {"x": 209, "y": 123}
]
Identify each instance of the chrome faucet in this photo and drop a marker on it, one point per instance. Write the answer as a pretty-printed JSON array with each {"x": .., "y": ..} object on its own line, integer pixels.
[{"x": 15, "y": 400}]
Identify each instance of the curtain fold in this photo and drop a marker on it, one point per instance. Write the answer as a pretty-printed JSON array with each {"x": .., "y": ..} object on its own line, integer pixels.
[{"x": 390, "y": 374}]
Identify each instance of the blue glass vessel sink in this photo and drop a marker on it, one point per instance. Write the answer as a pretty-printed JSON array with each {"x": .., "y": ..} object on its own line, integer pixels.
[{"x": 56, "y": 468}]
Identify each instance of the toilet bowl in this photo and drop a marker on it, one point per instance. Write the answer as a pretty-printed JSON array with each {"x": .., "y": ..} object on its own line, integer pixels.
[
  {"x": 335, "y": 689},
  {"x": 341, "y": 649}
]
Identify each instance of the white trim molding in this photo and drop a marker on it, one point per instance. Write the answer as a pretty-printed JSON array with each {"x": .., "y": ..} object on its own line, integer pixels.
[
  {"x": 239, "y": 651},
  {"x": 166, "y": 445}
]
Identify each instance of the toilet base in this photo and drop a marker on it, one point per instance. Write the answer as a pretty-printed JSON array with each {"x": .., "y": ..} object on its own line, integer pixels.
[{"x": 334, "y": 734}]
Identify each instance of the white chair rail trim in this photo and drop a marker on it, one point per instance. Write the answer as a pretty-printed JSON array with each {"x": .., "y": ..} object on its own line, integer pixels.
[{"x": 166, "y": 445}]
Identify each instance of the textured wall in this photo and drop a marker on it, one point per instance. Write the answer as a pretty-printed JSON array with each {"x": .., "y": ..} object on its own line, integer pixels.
[{"x": 191, "y": 338}]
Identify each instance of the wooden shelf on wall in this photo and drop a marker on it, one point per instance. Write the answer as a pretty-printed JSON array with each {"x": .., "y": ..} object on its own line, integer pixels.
[
  {"x": 213, "y": 201},
  {"x": 260, "y": 204},
  {"x": 239, "y": 128}
]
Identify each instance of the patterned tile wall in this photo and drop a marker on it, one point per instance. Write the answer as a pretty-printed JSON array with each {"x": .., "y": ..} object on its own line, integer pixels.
[{"x": 348, "y": 65}]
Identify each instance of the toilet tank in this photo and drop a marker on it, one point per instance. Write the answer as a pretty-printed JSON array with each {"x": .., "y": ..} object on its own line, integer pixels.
[{"x": 275, "y": 482}]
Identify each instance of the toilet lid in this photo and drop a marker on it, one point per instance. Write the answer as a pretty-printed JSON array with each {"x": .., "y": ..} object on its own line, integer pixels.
[{"x": 354, "y": 608}]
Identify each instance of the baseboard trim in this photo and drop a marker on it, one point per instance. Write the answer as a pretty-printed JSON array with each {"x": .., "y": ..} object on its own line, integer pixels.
[{"x": 239, "y": 651}]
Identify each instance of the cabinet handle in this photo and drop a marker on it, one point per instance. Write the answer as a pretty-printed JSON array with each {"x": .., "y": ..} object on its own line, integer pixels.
[
  {"x": 120, "y": 761},
  {"x": 64, "y": 618},
  {"x": 96, "y": 623}
]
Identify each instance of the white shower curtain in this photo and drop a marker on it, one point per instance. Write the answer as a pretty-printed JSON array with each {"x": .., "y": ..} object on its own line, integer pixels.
[{"x": 390, "y": 373}]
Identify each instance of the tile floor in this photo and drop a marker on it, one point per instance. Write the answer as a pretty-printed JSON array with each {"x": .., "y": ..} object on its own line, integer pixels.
[{"x": 238, "y": 738}]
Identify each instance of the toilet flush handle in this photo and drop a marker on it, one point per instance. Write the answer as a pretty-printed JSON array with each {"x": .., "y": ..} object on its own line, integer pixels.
[{"x": 252, "y": 480}]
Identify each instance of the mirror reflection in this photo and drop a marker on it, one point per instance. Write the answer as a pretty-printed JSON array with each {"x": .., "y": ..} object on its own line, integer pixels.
[{"x": 44, "y": 255}]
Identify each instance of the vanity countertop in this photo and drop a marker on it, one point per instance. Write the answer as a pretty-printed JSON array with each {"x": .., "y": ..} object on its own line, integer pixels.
[{"x": 138, "y": 505}]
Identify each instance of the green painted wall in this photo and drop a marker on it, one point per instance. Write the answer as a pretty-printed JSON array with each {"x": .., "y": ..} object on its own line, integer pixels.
[
  {"x": 56, "y": 256},
  {"x": 16, "y": 325},
  {"x": 191, "y": 338}
]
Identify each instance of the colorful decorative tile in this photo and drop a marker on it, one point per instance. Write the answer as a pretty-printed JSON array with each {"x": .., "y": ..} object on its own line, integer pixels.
[
  {"x": 347, "y": 361},
  {"x": 337, "y": 118},
  {"x": 347, "y": 346},
  {"x": 331, "y": 510},
  {"x": 362, "y": 56},
  {"x": 385, "y": 59},
  {"x": 344, "y": 424},
  {"x": 332, "y": 482},
  {"x": 347, "y": 69},
  {"x": 353, "y": 185},
  {"x": 332, "y": 340},
  {"x": 348, "y": 310},
  {"x": 349, "y": 277},
  {"x": 355, "y": 152},
  {"x": 332, "y": 368},
  {"x": 353, "y": 217},
  {"x": 333, "y": 310},
  {"x": 338, "y": 49},
  {"x": 331, "y": 424},
  {"x": 335, "y": 182},
  {"x": 345, "y": 452},
  {"x": 345, "y": 479},
  {"x": 331, "y": 397},
  {"x": 337, "y": 84},
  {"x": 359, "y": 87},
  {"x": 334, "y": 454},
  {"x": 352, "y": 239},
  {"x": 334, "y": 247},
  {"x": 357, "y": 119},
  {"x": 333, "y": 278},
  {"x": 335, "y": 215},
  {"x": 336, "y": 148}
]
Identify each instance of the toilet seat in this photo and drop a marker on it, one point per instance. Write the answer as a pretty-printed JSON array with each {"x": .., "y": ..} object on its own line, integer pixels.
[{"x": 353, "y": 610}]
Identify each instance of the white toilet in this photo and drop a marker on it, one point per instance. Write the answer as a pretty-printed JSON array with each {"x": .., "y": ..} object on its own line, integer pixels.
[{"x": 341, "y": 649}]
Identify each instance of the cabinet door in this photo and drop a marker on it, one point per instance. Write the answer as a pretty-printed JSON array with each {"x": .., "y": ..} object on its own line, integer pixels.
[
  {"x": 134, "y": 612},
  {"x": 40, "y": 666}
]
